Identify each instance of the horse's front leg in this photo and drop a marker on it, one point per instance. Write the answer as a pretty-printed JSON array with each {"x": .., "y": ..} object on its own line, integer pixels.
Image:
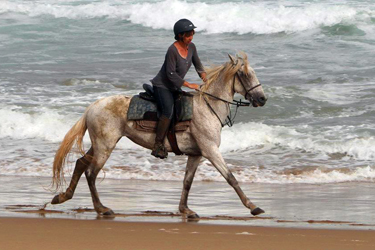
[
  {"x": 191, "y": 167},
  {"x": 214, "y": 156}
]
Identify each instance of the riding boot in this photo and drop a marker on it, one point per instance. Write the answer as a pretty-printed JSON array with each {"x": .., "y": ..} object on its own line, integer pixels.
[{"x": 159, "y": 149}]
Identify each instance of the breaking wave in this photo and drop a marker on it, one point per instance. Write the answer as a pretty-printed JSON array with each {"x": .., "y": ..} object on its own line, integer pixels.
[
  {"x": 130, "y": 161},
  {"x": 47, "y": 125},
  {"x": 252, "y": 135},
  {"x": 51, "y": 126},
  {"x": 208, "y": 16}
]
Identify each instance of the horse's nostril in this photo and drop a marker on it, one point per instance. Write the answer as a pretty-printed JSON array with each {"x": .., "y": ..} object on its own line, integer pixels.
[{"x": 262, "y": 99}]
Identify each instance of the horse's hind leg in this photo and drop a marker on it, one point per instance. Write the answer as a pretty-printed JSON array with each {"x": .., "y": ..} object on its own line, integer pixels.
[
  {"x": 100, "y": 157},
  {"x": 191, "y": 167},
  {"x": 81, "y": 166},
  {"x": 214, "y": 156}
]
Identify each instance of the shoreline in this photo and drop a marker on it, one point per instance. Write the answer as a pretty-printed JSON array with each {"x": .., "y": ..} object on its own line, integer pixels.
[
  {"x": 147, "y": 217},
  {"x": 42, "y": 233},
  {"x": 331, "y": 206},
  {"x": 37, "y": 212}
]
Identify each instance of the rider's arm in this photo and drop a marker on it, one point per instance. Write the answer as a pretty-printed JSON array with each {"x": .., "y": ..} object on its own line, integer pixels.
[{"x": 198, "y": 64}]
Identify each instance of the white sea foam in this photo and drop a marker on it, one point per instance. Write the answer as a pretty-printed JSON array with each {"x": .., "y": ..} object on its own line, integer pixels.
[
  {"x": 86, "y": 82},
  {"x": 45, "y": 125},
  {"x": 314, "y": 176},
  {"x": 249, "y": 135},
  {"x": 210, "y": 16},
  {"x": 366, "y": 174},
  {"x": 51, "y": 126},
  {"x": 129, "y": 161},
  {"x": 142, "y": 166},
  {"x": 337, "y": 94}
]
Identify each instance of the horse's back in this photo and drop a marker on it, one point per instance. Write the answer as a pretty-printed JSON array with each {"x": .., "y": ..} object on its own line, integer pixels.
[
  {"x": 111, "y": 107},
  {"x": 107, "y": 116}
]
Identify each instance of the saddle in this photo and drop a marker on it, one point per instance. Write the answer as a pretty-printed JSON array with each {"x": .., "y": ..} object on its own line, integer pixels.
[{"x": 143, "y": 110}]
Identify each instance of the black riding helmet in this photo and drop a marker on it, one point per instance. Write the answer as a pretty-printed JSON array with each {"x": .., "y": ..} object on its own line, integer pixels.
[{"x": 181, "y": 26}]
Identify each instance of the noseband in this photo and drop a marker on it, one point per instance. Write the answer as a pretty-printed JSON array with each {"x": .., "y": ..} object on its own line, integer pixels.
[{"x": 248, "y": 91}]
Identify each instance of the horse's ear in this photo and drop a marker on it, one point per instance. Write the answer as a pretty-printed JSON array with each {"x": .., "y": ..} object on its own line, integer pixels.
[{"x": 232, "y": 59}]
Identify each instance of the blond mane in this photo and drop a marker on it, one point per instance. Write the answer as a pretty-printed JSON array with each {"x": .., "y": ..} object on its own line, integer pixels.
[{"x": 227, "y": 70}]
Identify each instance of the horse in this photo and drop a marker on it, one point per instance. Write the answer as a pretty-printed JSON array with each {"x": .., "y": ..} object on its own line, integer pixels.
[{"x": 106, "y": 122}]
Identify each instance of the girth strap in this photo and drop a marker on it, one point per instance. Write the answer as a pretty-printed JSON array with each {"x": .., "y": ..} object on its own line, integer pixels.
[{"x": 171, "y": 135}]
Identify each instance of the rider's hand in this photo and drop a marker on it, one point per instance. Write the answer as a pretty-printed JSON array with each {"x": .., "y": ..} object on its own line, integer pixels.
[
  {"x": 204, "y": 76},
  {"x": 191, "y": 85},
  {"x": 194, "y": 86}
]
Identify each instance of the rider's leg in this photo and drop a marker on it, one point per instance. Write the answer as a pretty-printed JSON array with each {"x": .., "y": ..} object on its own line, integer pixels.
[
  {"x": 161, "y": 131},
  {"x": 165, "y": 103}
]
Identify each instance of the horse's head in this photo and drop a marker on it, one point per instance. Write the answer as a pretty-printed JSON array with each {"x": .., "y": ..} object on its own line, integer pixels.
[{"x": 245, "y": 81}]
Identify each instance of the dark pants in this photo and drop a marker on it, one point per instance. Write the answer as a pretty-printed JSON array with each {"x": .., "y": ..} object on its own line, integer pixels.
[{"x": 165, "y": 101}]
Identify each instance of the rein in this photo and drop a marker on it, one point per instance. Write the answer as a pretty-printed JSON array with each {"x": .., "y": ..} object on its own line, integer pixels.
[
  {"x": 230, "y": 119},
  {"x": 239, "y": 103}
]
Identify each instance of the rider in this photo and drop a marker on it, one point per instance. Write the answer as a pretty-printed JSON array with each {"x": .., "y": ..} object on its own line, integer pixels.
[{"x": 167, "y": 83}]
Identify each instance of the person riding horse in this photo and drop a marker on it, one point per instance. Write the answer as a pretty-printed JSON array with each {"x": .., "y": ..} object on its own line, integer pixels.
[
  {"x": 106, "y": 124},
  {"x": 168, "y": 82}
]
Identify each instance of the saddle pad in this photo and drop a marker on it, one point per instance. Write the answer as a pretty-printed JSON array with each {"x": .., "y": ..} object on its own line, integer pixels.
[
  {"x": 150, "y": 126},
  {"x": 138, "y": 107}
]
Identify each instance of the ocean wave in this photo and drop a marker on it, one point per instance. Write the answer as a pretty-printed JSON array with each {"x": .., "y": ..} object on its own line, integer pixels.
[
  {"x": 344, "y": 30},
  {"x": 147, "y": 170},
  {"x": 126, "y": 87},
  {"x": 313, "y": 176},
  {"x": 210, "y": 16},
  {"x": 141, "y": 166},
  {"x": 336, "y": 94},
  {"x": 129, "y": 161},
  {"x": 78, "y": 82},
  {"x": 46, "y": 125},
  {"x": 335, "y": 140},
  {"x": 51, "y": 126}
]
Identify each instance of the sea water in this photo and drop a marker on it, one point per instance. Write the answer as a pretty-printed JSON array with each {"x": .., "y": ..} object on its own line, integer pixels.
[{"x": 315, "y": 60}]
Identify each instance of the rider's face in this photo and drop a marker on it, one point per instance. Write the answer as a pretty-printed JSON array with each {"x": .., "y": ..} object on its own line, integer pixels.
[{"x": 188, "y": 37}]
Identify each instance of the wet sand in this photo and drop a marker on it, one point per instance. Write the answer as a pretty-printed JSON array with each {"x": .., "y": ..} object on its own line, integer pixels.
[
  {"x": 26, "y": 233},
  {"x": 337, "y": 206},
  {"x": 147, "y": 216}
]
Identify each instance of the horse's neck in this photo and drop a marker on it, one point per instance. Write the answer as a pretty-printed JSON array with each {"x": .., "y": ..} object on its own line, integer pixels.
[{"x": 222, "y": 90}]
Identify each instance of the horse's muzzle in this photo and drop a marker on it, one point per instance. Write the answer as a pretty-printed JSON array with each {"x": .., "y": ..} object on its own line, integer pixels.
[{"x": 259, "y": 102}]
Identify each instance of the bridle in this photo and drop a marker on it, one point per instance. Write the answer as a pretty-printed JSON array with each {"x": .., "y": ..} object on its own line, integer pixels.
[
  {"x": 230, "y": 119},
  {"x": 248, "y": 91}
]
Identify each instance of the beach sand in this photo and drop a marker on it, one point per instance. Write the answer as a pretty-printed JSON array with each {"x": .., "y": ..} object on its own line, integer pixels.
[
  {"x": 25, "y": 233},
  {"x": 298, "y": 216}
]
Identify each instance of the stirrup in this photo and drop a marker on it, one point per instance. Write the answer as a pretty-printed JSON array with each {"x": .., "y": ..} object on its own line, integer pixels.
[{"x": 160, "y": 151}]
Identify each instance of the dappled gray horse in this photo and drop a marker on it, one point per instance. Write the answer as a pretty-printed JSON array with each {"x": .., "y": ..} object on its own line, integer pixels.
[{"x": 106, "y": 120}]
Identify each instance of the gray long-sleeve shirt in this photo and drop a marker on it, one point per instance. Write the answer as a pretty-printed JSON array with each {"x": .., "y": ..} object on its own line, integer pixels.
[{"x": 172, "y": 73}]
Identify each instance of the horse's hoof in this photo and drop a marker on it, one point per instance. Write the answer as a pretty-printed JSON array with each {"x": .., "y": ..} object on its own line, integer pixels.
[
  {"x": 109, "y": 213},
  {"x": 55, "y": 200},
  {"x": 257, "y": 211},
  {"x": 193, "y": 216}
]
